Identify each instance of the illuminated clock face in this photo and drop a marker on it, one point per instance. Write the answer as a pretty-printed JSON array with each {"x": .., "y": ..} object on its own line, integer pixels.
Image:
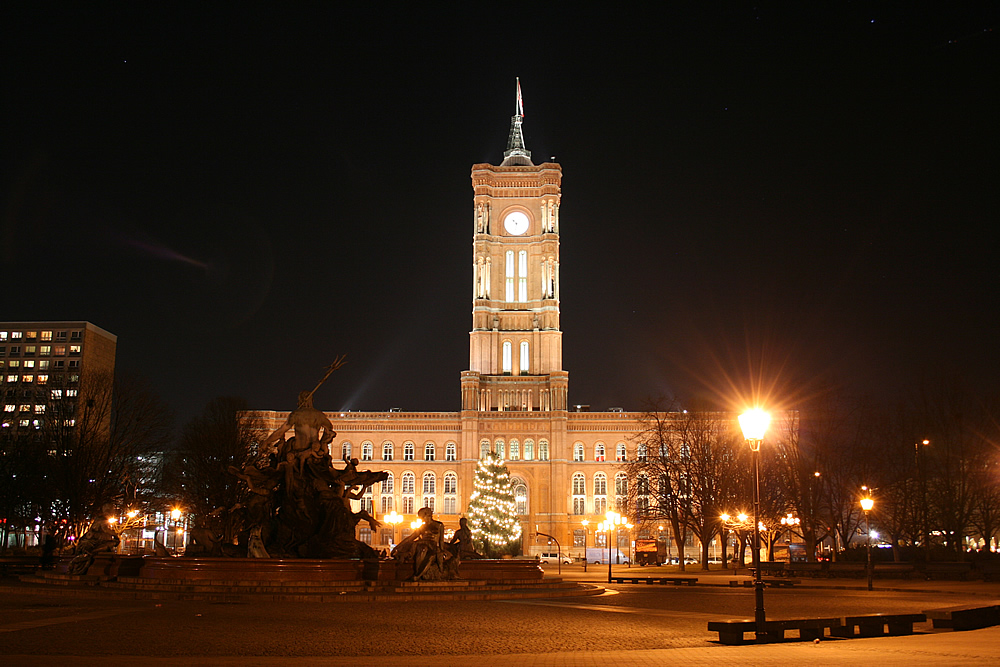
[{"x": 516, "y": 223}]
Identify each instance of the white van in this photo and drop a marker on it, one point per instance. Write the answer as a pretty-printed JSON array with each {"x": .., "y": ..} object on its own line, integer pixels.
[{"x": 553, "y": 557}]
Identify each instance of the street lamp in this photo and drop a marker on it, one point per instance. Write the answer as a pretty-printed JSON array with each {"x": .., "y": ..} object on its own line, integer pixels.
[
  {"x": 921, "y": 480},
  {"x": 586, "y": 530},
  {"x": 392, "y": 519},
  {"x": 866, "y": 504},
  {"x": 754, "y": 424}
]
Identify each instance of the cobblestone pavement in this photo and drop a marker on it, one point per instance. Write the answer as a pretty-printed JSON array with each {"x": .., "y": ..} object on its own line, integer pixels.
[{"x": 638, "y": 624}]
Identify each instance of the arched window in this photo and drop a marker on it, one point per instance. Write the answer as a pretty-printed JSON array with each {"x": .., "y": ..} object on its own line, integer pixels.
[
  {"x": 621, "y": 452},
  {"x": 429, "y": 451},
  {"x": 524, "y": 367},
  {"x": 515, "y": 450},
  {"x": 450, "y": 483},
  {"x": 430, "y": 483},
  {"x": 509, "y": 276},
  {"x": 529, "y": 450},
  {"x": 386, "y": 451},
  {"x": 387, "y": 485},
  {"x": 621, "y": 491},
  {"x": 579, "y": 493},
  {"x": 484, "y": 448},
  {"x": 407, "y": 451},
  {"x": 599, "y": 452},
  {"x": 507, "y": 361},
  {"x": 642, "y": 496},
  {"x": 408, "y": 482},
  {"x": 499, "y": 449},
  {"x": 449, "y": 452},
  {"x": 621, "y": 484},
  {"x": 387, "y": 504},
  {"x": 407, "y": 509},
  {"x": 520, "y": 495},
  {"x": 543, "y": 450},
  {"x": 640, "y": 452},
  {"x": 522, "y": 276},
  {"x": 600, "y": 484},
  {"x": 578, "y": 451},
  {"x": 345, "y": 451},
  {"x": 366, "y": 451},
  {"x": 429, "y": 502}
]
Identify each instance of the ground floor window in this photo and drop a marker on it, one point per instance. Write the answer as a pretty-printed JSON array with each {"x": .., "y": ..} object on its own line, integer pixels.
[{"x": 579, "y": 537}]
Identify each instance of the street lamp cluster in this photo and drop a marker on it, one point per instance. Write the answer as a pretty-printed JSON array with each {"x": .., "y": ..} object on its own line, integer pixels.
[
  {"x": 613, "y": 521},
  {"x": 754, "y": 424}
]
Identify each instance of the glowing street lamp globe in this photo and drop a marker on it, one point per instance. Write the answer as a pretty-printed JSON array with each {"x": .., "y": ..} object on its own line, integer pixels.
[
  {"x": 867, "y": 504},
  {"x": 754, "y": 424}
]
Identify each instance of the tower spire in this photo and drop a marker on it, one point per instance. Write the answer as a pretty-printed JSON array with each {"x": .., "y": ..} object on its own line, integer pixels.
[{"x": 516, "y": 153}]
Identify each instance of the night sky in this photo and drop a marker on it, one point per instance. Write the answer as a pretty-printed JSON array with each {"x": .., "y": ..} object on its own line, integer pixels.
[{"x": 761, "y": 196}]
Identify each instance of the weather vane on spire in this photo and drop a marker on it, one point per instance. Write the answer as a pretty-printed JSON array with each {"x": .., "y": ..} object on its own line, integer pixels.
[{"x": 516, "y": 154}]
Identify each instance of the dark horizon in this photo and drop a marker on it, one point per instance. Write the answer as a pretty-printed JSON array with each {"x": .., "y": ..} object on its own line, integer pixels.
[{"x": 754, "y": 200}]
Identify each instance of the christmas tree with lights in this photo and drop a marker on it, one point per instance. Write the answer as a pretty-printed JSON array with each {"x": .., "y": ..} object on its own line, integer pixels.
[{"x": 493, "y": 510}]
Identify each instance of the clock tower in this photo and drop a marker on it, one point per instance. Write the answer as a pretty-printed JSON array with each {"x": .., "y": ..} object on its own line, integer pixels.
[{"x": 515, "y": 346}]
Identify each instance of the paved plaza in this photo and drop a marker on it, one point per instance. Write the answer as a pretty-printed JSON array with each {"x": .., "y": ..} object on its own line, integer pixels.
[{"x": 629, "y": 624}]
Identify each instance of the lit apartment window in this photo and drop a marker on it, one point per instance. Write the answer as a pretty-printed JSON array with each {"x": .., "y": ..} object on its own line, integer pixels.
[
  {"x": 25, "y": 408},
  {"x": 9, "y": 407},
  {"x": 15, "y": 363},
  {"x": 74, "y": 349},
  {"x": 45, "y": 350},
  {"x": 46, "y": 335},
  {"x": 3, "y": 336},
  {"x": 16, "y": 335},
  {"x": 31, "y": 335},
  {"x": 56, "y": 394},
  {"x": 27, "y": 379},
  {"x": 11, "y": 378},
  {"x": 29, "y": 350},
  {"x": 60, "y": 350},
  {"x": 43, "y": 379},
  {"x": 71, "y": 392},
  {"x": 40, "y": 409},
  {"x": 43, "y": 364},
  {"x": 29, "y": 363}
]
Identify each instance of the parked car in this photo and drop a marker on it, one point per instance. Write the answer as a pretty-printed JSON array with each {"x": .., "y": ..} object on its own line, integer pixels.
[{"x": 553, "y": 557}]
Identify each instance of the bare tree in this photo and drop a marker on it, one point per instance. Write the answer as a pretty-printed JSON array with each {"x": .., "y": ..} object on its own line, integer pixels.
[{"x": 226, "y": 434}]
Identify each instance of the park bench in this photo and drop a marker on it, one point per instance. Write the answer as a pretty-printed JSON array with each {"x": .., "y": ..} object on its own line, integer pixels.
[
  {"x": 947, "y": 571},
  {"x": 811, "y": 569},
  {"x": 847, "y": 569},
  {"x": 19, "y": 564},
  {"x": 989, "y": 569},
  {"x": 771, "y": 569},
  {"x": 894, "y": 569},
  {"x": 676, "y": 581},
  {"x": 732, "y": 631},
  {"x": 768, "y": 581},
  {"x": 965, "y": 617},
  {"x": 874, "y": 625}
]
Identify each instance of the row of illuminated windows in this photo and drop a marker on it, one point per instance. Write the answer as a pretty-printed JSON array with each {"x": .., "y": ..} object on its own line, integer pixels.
[
  {"x": 507, "y": 360},
  {"x": 41, "y": 350},
  {"x": 42, "y": 378},
  {"x": 409, "y": 450},
  {"x": 600, "y": 484},
  {"x": 408, "y": 482},
  {"x": 33, "y": 423},
  {"x": 520, "y": 278},
  {"x": 42, "y": 364},
  {"x": 512, "y": 451},
  {"x": 39, "y": 335},
  {"x": 601, "y": 452}
]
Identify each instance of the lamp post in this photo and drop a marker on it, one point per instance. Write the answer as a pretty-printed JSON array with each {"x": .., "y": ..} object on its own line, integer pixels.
[
  {"x": 586, "y": 530},
  {"x": 754, "y": 424},
  {"x": 866, "y": 504},
  {"x": 392, "y": 519},
  {"x": 921, "y": 480}
]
